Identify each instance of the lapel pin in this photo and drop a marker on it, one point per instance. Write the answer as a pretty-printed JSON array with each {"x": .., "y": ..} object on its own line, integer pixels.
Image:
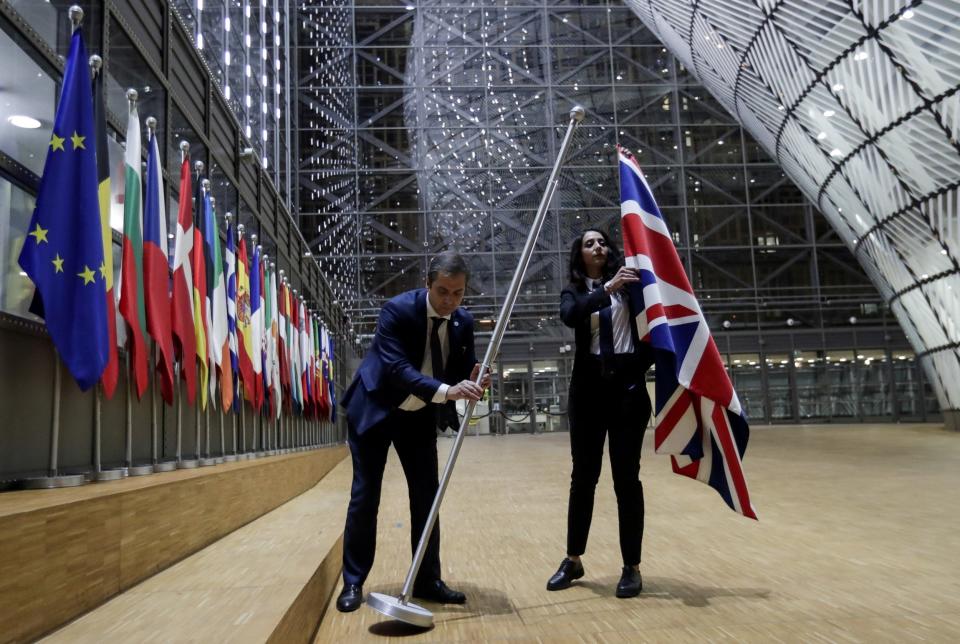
[{"x": 456, "y": 323}]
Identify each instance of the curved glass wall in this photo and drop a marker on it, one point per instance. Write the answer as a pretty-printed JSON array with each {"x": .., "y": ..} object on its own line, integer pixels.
[{"x": 858, "y": 103}]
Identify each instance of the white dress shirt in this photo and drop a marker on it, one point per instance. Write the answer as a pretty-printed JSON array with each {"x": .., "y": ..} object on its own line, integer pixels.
[
  {"x": 620, "y": 316},
  {"x": 413, "y": 403}
]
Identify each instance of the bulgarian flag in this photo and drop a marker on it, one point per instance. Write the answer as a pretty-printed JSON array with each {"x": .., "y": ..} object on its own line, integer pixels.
[{"x": 131, "y": 274}]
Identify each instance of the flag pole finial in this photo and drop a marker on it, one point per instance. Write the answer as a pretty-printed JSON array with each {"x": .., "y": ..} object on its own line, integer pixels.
[
  {"x": 240, "y": 229},
  {"x": 273, "y": 265},
  {"x": 132, "y": 97},
  {"x": 206, "y": 186},
  {"x": 76, "y": 16},
  {"x": 253, "y": 238},
  {"x": 228, "y": 217},
  {"x": 198, "y": 166},
  {"x": 185, "y": 146},
  {"x": 96, "y": 63},
  {"x": 213, "y": 200},
  {"x": 577, "y": 113},
  {"x": 151, "y": 124}
]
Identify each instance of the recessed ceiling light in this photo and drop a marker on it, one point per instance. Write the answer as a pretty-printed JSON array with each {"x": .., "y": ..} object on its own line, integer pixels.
[{"x": 26, "y": 122}]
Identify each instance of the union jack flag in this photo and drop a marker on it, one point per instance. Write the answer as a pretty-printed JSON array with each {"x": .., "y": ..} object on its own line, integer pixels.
[{"x": 699, "y": 421}]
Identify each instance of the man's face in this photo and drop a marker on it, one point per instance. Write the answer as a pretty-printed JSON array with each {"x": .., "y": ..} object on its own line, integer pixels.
[{"x": 446, "y": 292}]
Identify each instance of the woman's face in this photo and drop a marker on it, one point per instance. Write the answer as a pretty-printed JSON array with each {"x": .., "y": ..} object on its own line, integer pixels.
[{"x": 594, "y": 251}]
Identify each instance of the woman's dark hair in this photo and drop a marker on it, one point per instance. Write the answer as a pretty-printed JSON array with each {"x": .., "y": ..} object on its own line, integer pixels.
[{"x": 578, "y": 272}]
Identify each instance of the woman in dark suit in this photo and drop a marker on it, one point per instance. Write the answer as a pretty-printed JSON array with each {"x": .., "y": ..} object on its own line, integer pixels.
[{"x": 608, "y": 397}]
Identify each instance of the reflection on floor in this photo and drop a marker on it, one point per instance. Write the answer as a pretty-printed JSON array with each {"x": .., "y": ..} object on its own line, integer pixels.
[{"x": 856, "y": 542}]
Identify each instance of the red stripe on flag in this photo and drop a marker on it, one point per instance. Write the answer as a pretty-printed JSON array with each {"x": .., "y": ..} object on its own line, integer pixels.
[
  {"x": 111, "y": 373},
  {"x": 691, "y": 470},
  {"x": 732, "y": 458},
  {"x": 668, "y": 422},
  {"x": 639, "y": 240},
  {"x": 710, "y": 378}
]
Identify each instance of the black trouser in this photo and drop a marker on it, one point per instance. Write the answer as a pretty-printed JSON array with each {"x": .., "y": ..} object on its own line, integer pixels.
[
  {"x": 617, "y": 405},
  {"x": 414, "y": 436}
]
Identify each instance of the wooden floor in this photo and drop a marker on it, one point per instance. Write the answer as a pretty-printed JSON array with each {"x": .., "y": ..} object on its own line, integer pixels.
[{"x": 857, "y": 542}]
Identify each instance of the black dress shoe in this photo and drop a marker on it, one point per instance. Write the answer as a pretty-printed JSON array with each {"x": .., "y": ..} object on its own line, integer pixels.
[
  {"x": 350, "y": 598},
  {"x": 566, "y": 573},
  {"x": 439, "y": 592},
  {"x": 630, "y": 584}
]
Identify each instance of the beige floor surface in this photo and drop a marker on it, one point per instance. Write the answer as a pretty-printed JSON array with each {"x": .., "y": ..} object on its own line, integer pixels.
[{"x": 857, "y": 542}]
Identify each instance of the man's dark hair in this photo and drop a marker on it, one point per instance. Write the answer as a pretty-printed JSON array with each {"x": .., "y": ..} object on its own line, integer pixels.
[
  {"x": 450, "y": 262},
  {"x": 578, "y": 271}
]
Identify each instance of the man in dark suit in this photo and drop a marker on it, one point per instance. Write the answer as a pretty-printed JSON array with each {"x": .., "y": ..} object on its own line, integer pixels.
[{"x": 421, "y": 360}]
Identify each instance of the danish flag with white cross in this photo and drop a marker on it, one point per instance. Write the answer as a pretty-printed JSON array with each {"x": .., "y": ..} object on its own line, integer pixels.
[{"x": 699, "y": 421}]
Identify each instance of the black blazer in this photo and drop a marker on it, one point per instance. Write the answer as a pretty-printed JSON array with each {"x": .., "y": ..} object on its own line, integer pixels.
[
  {"x": 391, "y": 369},
  {"x": 576, "y": 306}
]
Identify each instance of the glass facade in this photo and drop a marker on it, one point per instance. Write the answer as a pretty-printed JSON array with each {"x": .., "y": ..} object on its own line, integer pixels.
[
  {"x": 246, "y": 45},
  {"x": 434, "y": 124},
  {"x": 857, "y": 102},
  {"x": 186, "y": 87}
]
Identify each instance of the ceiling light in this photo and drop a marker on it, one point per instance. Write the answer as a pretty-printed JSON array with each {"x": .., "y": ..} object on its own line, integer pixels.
[{"x": 26, "y": 122}]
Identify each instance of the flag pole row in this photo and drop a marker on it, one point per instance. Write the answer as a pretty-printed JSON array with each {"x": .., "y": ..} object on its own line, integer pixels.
[{"x": 221, "y": 320}]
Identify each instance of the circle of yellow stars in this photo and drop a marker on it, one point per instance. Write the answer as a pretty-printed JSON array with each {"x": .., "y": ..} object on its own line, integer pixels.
[{"x": 39, "y": 233}]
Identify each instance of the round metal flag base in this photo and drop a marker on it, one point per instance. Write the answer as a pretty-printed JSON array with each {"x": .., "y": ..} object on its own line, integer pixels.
[
  {"x": 207, "y": 462},
  {"x": 188, "y": 464},
  {"x": 114, "y": 474},
  {"x": 140, "y": 470},
  {"x": 230, "y": 458},
  {"x": 165, "y": 466},
  {"x": 50, "y": 482},
  {"x": 393, "y": 607}
]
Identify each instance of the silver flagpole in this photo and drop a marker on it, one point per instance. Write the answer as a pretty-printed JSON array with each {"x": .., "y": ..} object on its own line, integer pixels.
[
  {"x": 243, "y": 429},
  {"x": 147, "y": 468},
  {"x": 398, "y": 607},
  {"x": 184, "y": 360},
  {"x": 53, "y": 479},
  {"x": 153, "y": 405},
  {"x": 128, "y": 456}
]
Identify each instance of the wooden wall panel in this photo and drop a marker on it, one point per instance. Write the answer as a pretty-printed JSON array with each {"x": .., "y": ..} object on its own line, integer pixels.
[{"x": 144, "y": 20}]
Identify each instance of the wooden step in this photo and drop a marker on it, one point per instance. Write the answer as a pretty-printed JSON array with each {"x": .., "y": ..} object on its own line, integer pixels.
[
  {"x": 270, "y": 580},
  {"x": 64, "y": 552}
]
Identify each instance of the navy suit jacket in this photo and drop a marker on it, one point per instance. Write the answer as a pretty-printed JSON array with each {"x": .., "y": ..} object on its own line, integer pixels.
[{"x": 391, "y": 369}]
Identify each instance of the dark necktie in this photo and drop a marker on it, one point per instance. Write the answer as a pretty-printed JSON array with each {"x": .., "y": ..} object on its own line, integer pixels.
[
  {"x": 442, "y": 413},
  {"x": 436, "y": 351}
]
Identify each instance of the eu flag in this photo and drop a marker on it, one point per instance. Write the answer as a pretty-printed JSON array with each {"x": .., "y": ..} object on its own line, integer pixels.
[{"x": 63, "y": 250}]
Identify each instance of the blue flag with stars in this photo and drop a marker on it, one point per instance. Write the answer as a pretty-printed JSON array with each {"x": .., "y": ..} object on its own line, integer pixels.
[{"x": 63, "y": 250}]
